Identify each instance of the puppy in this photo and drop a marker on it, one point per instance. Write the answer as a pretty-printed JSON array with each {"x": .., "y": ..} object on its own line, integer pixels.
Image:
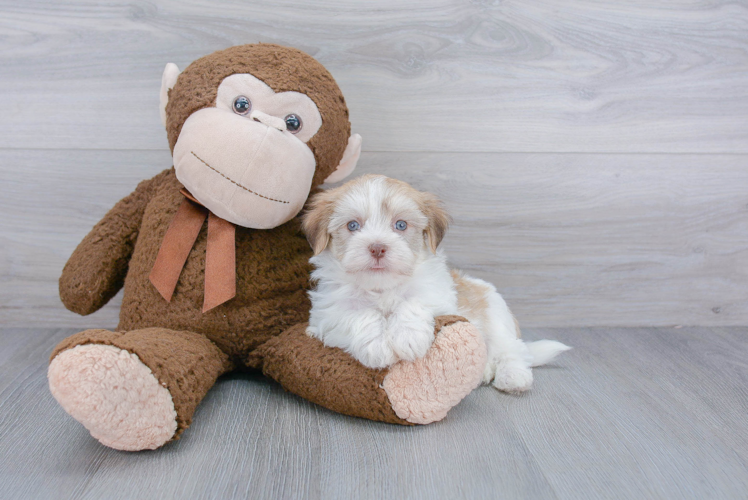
[{"x": 380, "y": 282}]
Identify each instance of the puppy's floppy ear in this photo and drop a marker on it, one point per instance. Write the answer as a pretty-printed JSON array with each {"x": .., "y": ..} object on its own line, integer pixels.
[
  {"x": 438, "y": 219},
  {"x": 317, "y": 219}
]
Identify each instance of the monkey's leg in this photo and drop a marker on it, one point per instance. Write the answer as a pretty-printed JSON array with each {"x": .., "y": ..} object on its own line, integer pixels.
[
  {"x": 134, "y": 390},
  {"x": 418, "y": 392}
]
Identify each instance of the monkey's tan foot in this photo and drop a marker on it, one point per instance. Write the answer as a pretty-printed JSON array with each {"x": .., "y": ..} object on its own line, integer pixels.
[
  {"x": 115, "y": 396},
  {"x": 134, "y": 390},
  {"x": 417, "y": 392},
  {"x": 423, "y": 391}
]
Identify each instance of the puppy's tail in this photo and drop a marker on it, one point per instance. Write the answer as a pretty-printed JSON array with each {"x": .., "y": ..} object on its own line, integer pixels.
[{"x": 543, "y": 351}]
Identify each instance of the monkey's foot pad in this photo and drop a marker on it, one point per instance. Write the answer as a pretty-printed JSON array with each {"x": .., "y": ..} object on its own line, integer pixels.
[
  {"x": 114, "y": 395},
  {"x": 423, "y": 391}
]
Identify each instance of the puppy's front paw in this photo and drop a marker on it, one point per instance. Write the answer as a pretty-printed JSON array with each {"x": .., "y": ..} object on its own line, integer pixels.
[
  {"x": 512, "y": 378},
  {"x": 411, "y": 343},
  {"x": 376, "y": 354},
  {"x": 411, "y": 331}
]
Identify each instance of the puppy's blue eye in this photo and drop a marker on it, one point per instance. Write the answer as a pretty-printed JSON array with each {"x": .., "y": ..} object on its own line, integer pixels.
[
  {"x": 401, "y": 225},
  {"x": 353, "y": 226},
  {"x": 242, "y": 105}
]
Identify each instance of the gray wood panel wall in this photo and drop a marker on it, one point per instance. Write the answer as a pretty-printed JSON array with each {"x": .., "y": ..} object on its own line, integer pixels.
[{"x": 594, "y": 154}]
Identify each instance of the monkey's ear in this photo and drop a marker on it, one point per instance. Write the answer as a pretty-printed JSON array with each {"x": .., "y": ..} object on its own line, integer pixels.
[
  {"x": 348, "y": 162},
  {"x": 168, "y": 80}
]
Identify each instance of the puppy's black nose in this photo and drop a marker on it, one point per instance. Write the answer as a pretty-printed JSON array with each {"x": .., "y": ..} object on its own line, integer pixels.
[{"x": 377, "y": 250}]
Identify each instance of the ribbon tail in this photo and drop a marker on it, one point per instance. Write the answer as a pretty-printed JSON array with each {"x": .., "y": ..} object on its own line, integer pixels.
[
  {"x": 220, "y": 262},
  {"x": 175, "y": 248}
]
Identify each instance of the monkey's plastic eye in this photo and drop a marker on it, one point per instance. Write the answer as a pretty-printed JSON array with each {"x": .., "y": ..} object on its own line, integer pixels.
[
  {"x": 353, "y": 226},
  {"x": 401, "y": 225},
  {"x": 242, "y": 105},
  {"x": 293, "y": 123}
]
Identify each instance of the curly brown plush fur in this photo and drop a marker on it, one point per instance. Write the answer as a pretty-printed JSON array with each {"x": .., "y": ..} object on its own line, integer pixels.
[{"x": 271, "y": 265}]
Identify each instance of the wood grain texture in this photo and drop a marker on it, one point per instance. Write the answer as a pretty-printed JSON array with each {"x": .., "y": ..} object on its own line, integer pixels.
[
  {"x": 582, "y": 225},
  {"x": 629, "y": 413},
  {"x": 445, "y": 75},
  {"x": 568, "y": 239}
]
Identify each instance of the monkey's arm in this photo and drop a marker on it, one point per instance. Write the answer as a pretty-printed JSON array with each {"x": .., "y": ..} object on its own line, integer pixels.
[
  {"x": 408, "y": 392},
  {"x": 96, "y": 270}
]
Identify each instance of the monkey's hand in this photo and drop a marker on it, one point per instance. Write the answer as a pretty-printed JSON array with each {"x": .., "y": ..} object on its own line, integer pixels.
[{"x": 96, "y": 270}]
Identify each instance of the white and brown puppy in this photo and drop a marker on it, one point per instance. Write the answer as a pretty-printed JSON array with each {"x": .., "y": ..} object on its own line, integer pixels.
[{"x": 380, "y": 281}]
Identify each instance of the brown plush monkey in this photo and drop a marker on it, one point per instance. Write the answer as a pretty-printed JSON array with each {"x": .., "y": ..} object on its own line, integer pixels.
[{"x": 215, "y": 267}]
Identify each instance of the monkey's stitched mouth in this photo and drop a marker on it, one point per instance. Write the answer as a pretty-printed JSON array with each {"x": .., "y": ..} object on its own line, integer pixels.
[{"x": 234, "y": 182}]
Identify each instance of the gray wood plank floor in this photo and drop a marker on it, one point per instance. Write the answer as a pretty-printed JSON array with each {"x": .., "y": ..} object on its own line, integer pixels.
[{"x": 629, "y": 413}]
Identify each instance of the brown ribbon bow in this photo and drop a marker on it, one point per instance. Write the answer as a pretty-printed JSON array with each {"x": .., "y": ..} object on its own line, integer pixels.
[{"x": 220, "y": 254}]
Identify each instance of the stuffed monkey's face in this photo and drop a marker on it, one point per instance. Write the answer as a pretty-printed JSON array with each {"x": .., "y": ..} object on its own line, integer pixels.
[{"x": 246, "y": 159}]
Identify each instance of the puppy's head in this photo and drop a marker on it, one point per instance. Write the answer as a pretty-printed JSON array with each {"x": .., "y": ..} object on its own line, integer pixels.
[{"x": 375, "y": 226}]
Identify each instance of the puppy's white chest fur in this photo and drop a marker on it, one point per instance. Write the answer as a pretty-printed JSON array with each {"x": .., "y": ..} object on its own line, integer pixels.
[
  {"x": 430, "y": 285},
  {"x": 380, "y": 326}
]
